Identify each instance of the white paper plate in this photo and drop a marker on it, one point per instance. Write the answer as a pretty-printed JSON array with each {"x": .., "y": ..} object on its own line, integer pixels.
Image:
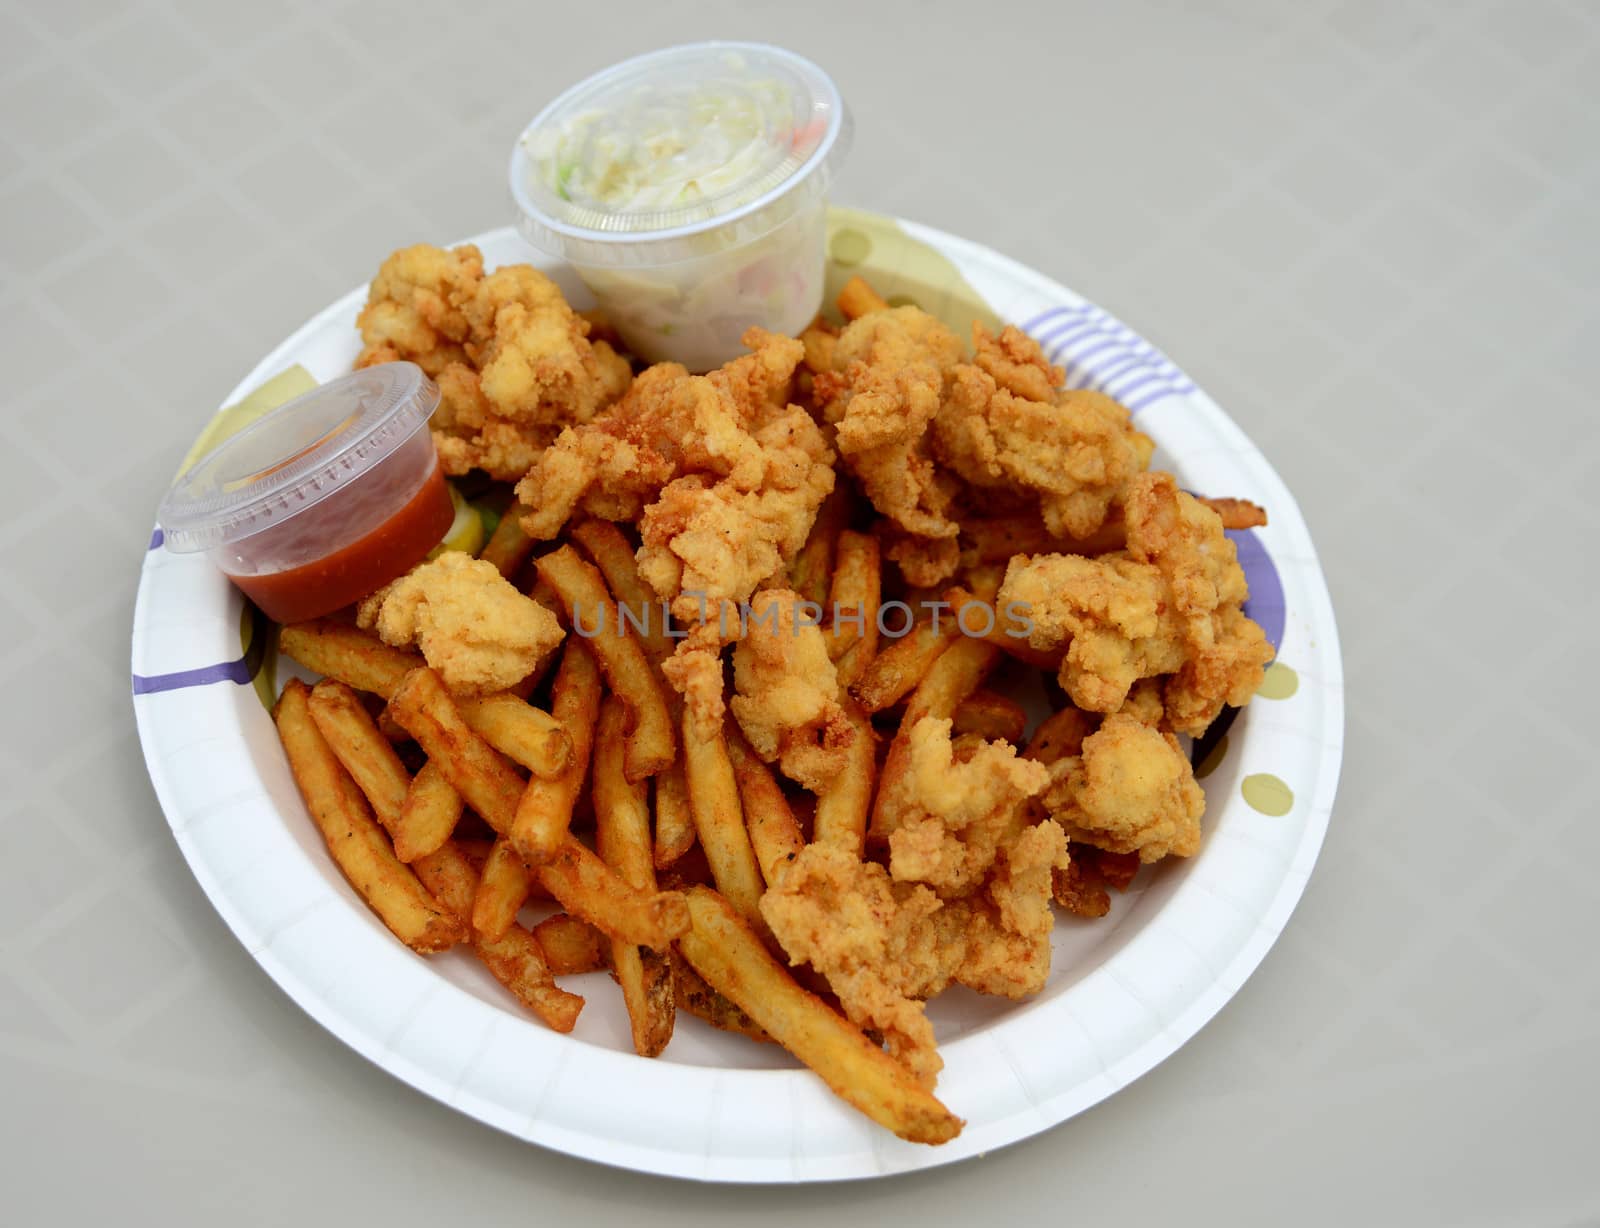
[{"x": 1124, "y": 993}]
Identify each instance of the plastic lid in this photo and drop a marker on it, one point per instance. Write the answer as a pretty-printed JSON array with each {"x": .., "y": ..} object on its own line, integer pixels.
[
  {"x": 677, "y": 142},
  {"x": 296, "y": 456}
]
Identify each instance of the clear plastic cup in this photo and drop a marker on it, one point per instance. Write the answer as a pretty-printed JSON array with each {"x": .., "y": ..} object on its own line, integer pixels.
[
  {"x": 688, "y": 189},
  {"x": 323, "y": 499}
]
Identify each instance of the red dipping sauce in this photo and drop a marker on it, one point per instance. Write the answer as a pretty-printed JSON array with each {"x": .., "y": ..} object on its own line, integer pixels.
[
  {"x": 323, "y": 499},
  {"x": 353, "y": 571}
]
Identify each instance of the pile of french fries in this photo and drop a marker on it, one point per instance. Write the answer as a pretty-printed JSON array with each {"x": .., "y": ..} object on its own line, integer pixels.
[{"x": 689, "y": 825}]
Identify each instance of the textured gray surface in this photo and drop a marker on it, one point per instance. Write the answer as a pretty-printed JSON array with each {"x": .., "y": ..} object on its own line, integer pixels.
[{"x": 1366, "y": 228}]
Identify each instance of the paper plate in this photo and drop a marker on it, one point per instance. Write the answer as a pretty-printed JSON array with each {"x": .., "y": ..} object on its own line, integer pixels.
[{"x": 1125, "y": 990}]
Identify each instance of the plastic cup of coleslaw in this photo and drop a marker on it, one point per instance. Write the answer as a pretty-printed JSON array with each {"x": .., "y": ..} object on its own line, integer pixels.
[{"x": 688, "y": 188}]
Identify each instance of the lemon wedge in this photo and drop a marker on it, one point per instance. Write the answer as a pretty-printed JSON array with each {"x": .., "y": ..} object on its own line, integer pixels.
[{"x": 466, "y": 530}]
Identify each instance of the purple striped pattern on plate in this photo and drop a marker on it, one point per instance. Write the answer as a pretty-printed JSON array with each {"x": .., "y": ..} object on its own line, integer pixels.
[{"x": 1101, "y": 353}]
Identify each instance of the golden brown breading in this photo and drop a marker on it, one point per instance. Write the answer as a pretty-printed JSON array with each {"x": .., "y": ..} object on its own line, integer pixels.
[
  {"x": 1077, "y": 451},
  {"x": 1131, "y": 791},
  {"x": 957, "y": 805},
  {"x": 1016, "y": 363},
  {"x": 787, "y": 692},
  {"x": 723, "y": 475},
  {"x": 882, "y": 394},
  {"x": 1226, "y": 654},
  {"x": 878, "y": 945},
  {"x": 930, "y": 435},
  {"x": 1110, "y": 612},
  {"x": 537, "y": 366},
  {"x": 884, "y": 947},
  {"x": 1169, "y": 605},
  {"x": 471, "y": 625},
  {"x": 413, "y": 310},
  {"x": 512, "y": 359},
  {"x": 734, "y": 425}
]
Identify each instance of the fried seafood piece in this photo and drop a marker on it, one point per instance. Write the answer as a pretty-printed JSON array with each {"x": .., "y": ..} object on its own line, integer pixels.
[
  {"x": 537, "y": 366},
  {"x": 473, "y": 627},
  {"x": 956, "y": 806},
  {"x": 414, "y": 307},
  {"x": 882, "y": 395},
  {"x": 695, "y": 671},
  {"x": 885, "y": 341},
  {"x": 724, "y": 475},
  {"x": 884, "y": 946},
  {"x": 1226, "y": 653},
  {"x": 1168, "y": 606},
  {"x": 512, "y": 359},
  {"x": 1016, "y": 363},
  {"x": 1075, "y": 450},
  {"x": 1112, "y": 615},
  {"x": 787, "y": 693},
  {"x": 932, "y": 436},
  {"x": 468, "y": 434},
  {"x": 880, "y": 945},
  {"x": 1132, "y": 790}
]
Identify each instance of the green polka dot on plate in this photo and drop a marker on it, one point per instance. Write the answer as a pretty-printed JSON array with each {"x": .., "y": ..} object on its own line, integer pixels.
[
  {"x": 849, "y": 247},
  {"x": 1268, "y": 794},
  {"x": 1280, "y": 682}
]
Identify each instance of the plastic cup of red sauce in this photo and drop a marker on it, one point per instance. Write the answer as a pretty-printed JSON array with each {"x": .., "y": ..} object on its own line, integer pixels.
[{"x": 322, "y": 500}]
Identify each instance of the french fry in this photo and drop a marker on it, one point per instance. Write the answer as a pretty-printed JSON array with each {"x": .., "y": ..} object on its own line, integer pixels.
[
  {"x": 895, "y": 671},
  {"x": 544, "y": 812},
  {"x": 651, "y": 744},
  {"x": 812, "y": 566},
  {"x": 727, "y": 953},
  {"x": 1237, "y": 513},
  {"x": 485, "y": 781},
  {"x": 699, "y": 999},
  {"x": 429, "y": 815},
  {"x": 502, "y": 890},
  {"x": 843, "y": 807},
  {"x": 590, "y": 890},
  {"x": 983, "y": 580},
  {"x": 361, "y": 660},
  {"x": 996, "y": 539},
  {"x": 719, "y": 818},
  {"x": 1059, "y": 736},
  {"x": 571, "y": 946},
  {"x": 526, "y": 735},
  {"x": 337, "y": 650},
  {"x": 857, "y": 298},
  {"x": 774, "y": 832},
  {"x": 622, "y": 837},
  {"x": 853, "y": 604},
  {"x": 979, "y": 619},
  {"x": 991, "y": 716},
  {"x": 363, "y": 751},
  {"x": 821, "y": 344},
  {"x": 674, "y": 819},
  {"x": 613, "y": 554},
  {"x": 355, "y": 840},
  {"x": 516, "y": 959},
  {"x": 509, "y": 546},
  {"x": 956, "y": 673}
]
